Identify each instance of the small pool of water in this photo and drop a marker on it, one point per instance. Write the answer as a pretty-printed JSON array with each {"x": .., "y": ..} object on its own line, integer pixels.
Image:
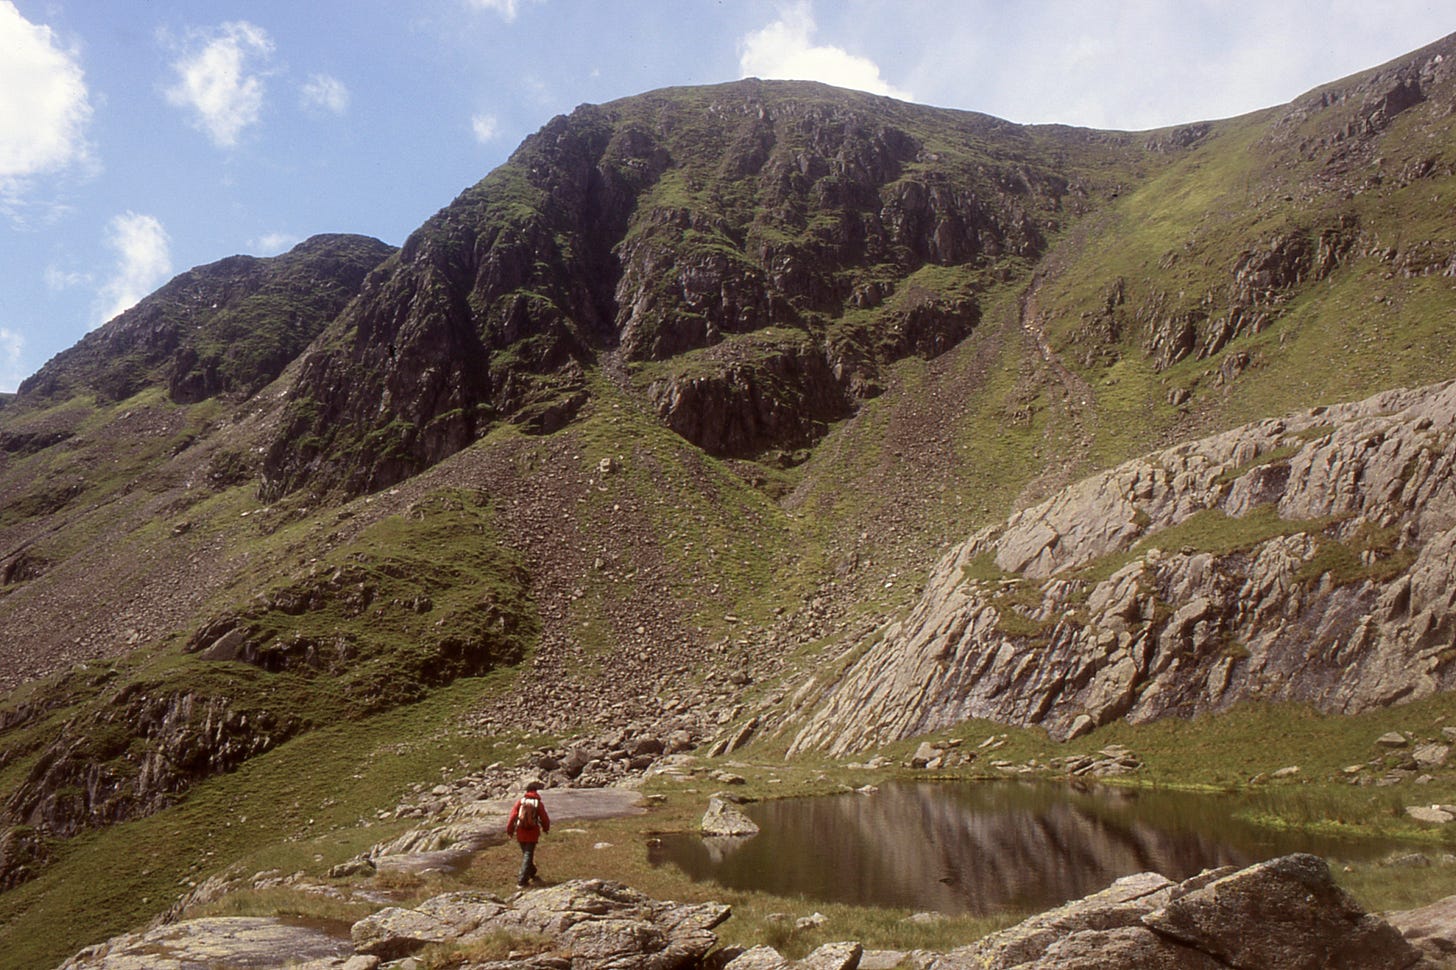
[{"x": 986, "y": 847}]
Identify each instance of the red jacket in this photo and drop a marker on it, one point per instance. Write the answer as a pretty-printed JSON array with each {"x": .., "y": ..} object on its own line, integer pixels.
[{"x": 528, "y": 833}]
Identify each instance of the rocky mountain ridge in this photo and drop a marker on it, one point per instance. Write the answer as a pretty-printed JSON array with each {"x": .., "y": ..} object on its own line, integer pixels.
[{"x": 728, "y": 231}]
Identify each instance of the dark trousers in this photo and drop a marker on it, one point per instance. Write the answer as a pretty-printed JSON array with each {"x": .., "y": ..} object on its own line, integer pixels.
[{"x": 528, "y": 863}]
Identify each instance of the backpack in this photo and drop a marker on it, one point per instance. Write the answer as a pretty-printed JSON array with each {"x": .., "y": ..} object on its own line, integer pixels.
[{"x": 529, "y": 815}]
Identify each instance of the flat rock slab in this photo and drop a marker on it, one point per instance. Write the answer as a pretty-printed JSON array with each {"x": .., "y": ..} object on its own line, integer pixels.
[
  {"x": 480, "y": 824},
  {"x": 220, "y": 943}
]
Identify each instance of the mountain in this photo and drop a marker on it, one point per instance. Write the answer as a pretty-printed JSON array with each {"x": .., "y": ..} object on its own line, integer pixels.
[{"x": 752, "y": 407}]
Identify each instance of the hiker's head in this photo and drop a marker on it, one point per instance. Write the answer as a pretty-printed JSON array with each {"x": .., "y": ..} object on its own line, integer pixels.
[{"x": 533, "y": 786}]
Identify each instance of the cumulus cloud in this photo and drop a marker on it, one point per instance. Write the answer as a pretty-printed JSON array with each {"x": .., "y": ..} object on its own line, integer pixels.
[
  {"x": 143, "y": 262},
  {"x": 785, "y": 49},
  {"x": 324, "y": 92},
  {"x": 486, "y": 127},
  {"x": 12, "y": 347},
  {"x": 220, "y": 81},
  {"x": 44, "y": 104}
]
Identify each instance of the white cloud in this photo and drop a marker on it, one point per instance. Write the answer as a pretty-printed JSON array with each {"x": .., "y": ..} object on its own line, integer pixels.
[
  {"x": 273, "y": 243},
  {"x": 143, "y": 262},
  {"x": 219, "y": 81},
  {"x": 326, "y": 93},
  {"x": 486, "y": 127},
  {"x": 785, "y": 49},
  {"x": 508, "y": 9},
  {"x": 12, "y": 346},
  {"x": 44, "y": 104}
]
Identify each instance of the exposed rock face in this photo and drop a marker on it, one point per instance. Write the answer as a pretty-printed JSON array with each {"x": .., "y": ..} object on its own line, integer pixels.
[
  {"x": 141, "y": 755},
  {"x": 226, "y": 328},
  {"x": 592, "y": 924},
  {"x": 1286, "y": 913},
  {"x": 217, "y": 942},
  {"x": 762, "y": 237},
  {"x": 1311, "y": 558}
]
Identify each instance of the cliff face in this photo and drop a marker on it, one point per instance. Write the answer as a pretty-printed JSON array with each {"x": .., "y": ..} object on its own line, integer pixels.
[
  {"x": 746, "y": 258},
  {"x": 1305, "y": 558}
]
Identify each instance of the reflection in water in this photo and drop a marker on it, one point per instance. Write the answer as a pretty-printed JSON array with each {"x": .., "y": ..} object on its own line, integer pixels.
[{"x": 984, "y": 848}]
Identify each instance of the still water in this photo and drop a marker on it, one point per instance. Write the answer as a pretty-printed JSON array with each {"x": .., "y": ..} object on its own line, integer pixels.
[{"x": 986, "y": 848}]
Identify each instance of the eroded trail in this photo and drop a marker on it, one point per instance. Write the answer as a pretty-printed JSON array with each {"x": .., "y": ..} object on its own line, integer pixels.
[{"x": 1069, "y": 395}]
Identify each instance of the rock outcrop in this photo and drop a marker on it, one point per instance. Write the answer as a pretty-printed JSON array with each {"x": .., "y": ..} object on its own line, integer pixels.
[
  {"x": 1309, "y": 558},
  {"x": 1286, "y": 913},
  {"x": 583, "y": 925},
  {"x": 140, "y": 753}
]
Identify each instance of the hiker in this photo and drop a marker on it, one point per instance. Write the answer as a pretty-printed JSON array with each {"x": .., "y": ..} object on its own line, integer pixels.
[{"x": 528, "y": 820}]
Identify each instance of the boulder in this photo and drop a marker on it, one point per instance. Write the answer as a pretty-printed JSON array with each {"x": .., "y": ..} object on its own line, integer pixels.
[
  {"x": 1431, "y": 928},
  {"x": 722, "y": 819},
  {"x": 605, "y": 924},
  {"x": 758, "y": 958},
  {"x": 1434, "y": 814},
  {"x": 1431, "y": 755},
  {"x": 833, "y": 956},
  {"x": 398, "y": 931},
  {"x": 1286, "y": 913}
]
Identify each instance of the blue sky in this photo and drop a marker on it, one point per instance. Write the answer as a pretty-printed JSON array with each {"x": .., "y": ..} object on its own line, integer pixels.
[{"x": 139, "y": 138}]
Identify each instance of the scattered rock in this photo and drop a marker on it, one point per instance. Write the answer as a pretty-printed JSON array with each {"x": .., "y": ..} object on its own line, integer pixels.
[
  {"x": 1431, "y": 755},
  {"x": 1435, "y": 814},
  {"x": 811, "y": 922},
  {"x": 360, "y": 865}
]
